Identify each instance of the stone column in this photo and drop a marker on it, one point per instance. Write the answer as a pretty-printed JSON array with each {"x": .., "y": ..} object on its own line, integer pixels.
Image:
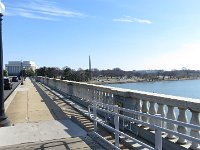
[
  {"x": 162, "y": 112},
  {"x": 183, "y": 118},
  {"x": 144, "y": 110},
  {"x": 152, "y": 111},
  {"x": 171, "y": 115},
  {"x": 195, "y": 133}
]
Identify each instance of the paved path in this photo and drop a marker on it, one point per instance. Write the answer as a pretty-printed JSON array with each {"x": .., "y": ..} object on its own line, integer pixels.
[
  {"x": 36, "y": 119},
  {"x": 8, "y": 92},
  {"x": 58, "y": 144},
  {"x": 28, "y": 106}
]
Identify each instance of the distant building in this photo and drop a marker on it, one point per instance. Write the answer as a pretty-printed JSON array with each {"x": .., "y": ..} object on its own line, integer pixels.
[{"x": 15, "y": 67}]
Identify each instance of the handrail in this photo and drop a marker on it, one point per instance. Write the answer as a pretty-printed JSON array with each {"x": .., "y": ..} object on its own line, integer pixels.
[
  {"x": 156, "y": 126},
  {"x": 97, "y": 120},
  {"x": 192, "y": 126},
  {"x": 127, "y": 136}
]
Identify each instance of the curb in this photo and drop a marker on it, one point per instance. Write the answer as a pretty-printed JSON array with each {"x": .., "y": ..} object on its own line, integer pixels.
[{"x": 10, "y": 97}]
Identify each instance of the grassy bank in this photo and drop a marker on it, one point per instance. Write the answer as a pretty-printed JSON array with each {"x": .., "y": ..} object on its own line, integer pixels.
[{"x": 132, "y": 80}]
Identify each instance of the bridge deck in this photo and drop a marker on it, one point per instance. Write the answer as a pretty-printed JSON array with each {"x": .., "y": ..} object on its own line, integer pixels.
[{"x": 38, "y": 123}]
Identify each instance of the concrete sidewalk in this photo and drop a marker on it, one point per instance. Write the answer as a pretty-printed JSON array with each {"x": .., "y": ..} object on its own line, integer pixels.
[
  {"x": 28, "y": 106},
  {"x": 36, "y": 119}
]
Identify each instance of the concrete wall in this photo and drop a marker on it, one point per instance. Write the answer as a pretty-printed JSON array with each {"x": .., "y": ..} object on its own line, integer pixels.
[{"x": 171, "y": 107}]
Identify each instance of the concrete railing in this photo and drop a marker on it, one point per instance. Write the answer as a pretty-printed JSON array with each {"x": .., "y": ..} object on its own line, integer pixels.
[
  {"x": 117, "y": 113},
  {"x": 171, "y": 107}
]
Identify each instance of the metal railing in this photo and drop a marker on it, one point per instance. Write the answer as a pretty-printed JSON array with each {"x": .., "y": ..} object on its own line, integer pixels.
[{"x": 117, "y": 113}]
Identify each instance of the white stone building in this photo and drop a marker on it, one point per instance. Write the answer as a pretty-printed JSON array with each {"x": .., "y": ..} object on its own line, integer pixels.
[{"x": 15, "y": 67}]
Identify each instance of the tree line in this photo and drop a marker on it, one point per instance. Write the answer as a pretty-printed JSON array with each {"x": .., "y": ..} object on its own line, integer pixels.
[
  {"x": 65, "y": 73},
  {"x": 25, "y": 72},
  {"x": 79, "y": 75},
  {"x": 148, "y": 75}
]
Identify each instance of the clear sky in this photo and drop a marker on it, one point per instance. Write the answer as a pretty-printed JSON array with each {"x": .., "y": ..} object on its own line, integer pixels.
[{"x": 129, "y": 34}]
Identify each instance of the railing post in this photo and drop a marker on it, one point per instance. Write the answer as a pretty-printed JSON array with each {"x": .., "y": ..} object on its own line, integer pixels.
[
  {"x": 158, "y": 134},
  {"x": 181, "y": 129},
  {"x": 138, "y": 108},
  {"x": 152, "y": 111},
  {"x": 89, "y": 111},
  {"x": 91, "y": 94},
  {"x": 144, "y": 110},
  {"x": 161, "y": 111},
  {"x": 95, "y": 115},
  {"x": 195, "y": 133},
  {"x": 171, "y": 115},
  {"x": 116, "y": 121}
]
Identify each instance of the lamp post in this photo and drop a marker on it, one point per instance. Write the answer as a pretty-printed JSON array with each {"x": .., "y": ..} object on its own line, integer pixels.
[
  {"x": 3, "y": 118},
  {"x": 22, "y": 73}
]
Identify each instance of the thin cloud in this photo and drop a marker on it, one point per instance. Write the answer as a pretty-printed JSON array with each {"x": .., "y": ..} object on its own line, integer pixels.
[
  {"x": 129, "y": 19},
  {"x": 27, "y": 14},
  {"x": 32, "y": 16},
  {"x": 45, "y": 10}
]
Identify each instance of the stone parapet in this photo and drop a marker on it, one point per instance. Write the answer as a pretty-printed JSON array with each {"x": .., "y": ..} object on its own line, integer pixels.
[{"x": 171, "y": 107}]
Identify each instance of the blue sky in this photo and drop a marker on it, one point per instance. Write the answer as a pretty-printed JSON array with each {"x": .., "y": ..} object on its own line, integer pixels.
[{"x": 129, "y": 34}]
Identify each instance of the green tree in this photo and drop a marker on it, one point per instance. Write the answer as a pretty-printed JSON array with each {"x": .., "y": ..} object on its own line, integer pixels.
[
  {"x": 30, "y": 72},
  {"x": 5, "y": 73},
  {"x": 41, "y": 71},
  {"x": 67, "y": 73},
  {"x": 87, "y": 75}
]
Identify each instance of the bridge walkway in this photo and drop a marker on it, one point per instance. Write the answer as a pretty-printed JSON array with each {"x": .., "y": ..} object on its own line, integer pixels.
[
  {"x": 76, "y": 115},
  {"x": 40, "y": 120}
]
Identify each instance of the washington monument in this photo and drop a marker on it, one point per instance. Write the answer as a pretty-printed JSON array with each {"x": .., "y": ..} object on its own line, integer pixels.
[{"x": 90, "y": 68}]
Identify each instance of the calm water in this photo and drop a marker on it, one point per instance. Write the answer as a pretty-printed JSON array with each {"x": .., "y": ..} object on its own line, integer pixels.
[{"x": 184, "y": 88}]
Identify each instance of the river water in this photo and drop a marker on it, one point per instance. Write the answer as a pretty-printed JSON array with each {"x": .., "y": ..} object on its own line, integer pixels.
[{"x": 183, "y": 88}]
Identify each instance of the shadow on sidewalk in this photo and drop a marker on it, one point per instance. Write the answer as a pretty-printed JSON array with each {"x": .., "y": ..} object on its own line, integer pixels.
[
  {"x": 68, "y": 144},
  {"x": 57, "y": 144},
  {"x": 54, "y": 109},
  {"x": 59, "y": 114},
  {"x": 52, "y": 103},
  {"x": 54, "y": 145}
]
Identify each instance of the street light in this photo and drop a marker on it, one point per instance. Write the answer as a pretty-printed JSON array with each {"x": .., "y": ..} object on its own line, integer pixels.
[
  {"x": 3, "y": 118},
  {"x": 22, "y": 73}
]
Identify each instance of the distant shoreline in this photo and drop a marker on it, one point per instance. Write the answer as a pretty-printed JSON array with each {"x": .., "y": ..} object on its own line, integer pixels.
[{"x": 124, "y": 81}]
